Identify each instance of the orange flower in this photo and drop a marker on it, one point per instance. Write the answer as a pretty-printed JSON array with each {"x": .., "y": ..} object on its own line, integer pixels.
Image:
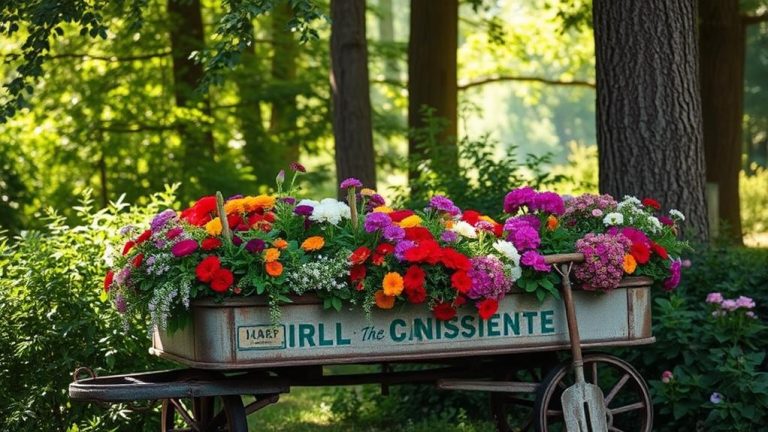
[
  {"x": 313, "y": 243},
  {"x": 392, "y": 284},
  {"x": 410, "y": 222},
  {"x": 274, "y": 268},
  {"x": 384, "y": 301},
  {"x": 280, "y": 243},
  {"x": 552, "y": 223},
  {"x": 629, "y": 264},
  {"x": 233, "y": 206},
  {"x": 271, "y": 254},
  {"x": 383, "y": 209},
  {"x": 252, "y": 203}
]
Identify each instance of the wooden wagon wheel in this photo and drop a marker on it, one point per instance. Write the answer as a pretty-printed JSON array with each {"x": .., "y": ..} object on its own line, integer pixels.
[
  {"x": 204, "y": 414},
  {"x": 627, "y": 399}
]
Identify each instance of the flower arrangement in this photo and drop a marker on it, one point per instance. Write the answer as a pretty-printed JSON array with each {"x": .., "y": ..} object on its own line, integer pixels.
[{"x": 362, "y": 252}]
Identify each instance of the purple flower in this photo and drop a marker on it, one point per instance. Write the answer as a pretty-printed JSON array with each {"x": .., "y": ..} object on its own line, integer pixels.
[
  {"x": 402, "y": 247},
  {"x": 255, "y": 245},
  {"x": 393, "y": 233},
  {"x": 120, "y": 304},
  {"x": 376, "y": 221},
  {"x": 535, "y": 260},
  {"x": 374, "y": 201},
  {"x": 289, "y": 200},
  {"x": 548, "y": 202},
  {"x": 297, "y": 167},
  {"x": 532, "y": 221},
  {"x": 184, "y": 248},
  {"x": 745, "y": 302},
  {"x": 444, "y": 204},
  {"x": 603, "y": 260},
  {"x": 673, "y": 280},
  {"x": 518, "y": 198},
  {"x": 524, "y": 237},
  {"x": 351, "y": 183},
  {"x": 449, "y": 236},
  {"x": 303, "y": 210},
  {"x": 729, "y": 305},
  {"x": 128, "y": 229},
  {"x": 488, "y": 278},
  {"x": 716, "y": 398},
  {"x": 237, "y": 241},
  {"x": 161, "y": 219}
]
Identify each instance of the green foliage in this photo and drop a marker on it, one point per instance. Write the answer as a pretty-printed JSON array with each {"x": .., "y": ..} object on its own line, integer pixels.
[
  {"x": 53, "y": 321},
  {"x": 753, "y": 195},
  {"x": 707, "y": 351}
]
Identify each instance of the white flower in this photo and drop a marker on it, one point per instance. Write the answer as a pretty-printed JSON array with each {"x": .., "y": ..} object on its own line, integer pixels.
[
  {"x": 464, "y": 229},
  {"x": 655, "y": 224},
  {"x": 515, "y": 273},
  {"x": 629, "y": 201},
  {"x": 508, "y": 250},
  {"x": 613, "y": 218},
  {"x": 331, "y": 211},
  {"x": 308, "y": 202},
  {"x": 677, "y": 215}
]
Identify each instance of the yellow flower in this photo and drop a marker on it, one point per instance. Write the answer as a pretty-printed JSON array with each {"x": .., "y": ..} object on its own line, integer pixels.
[
  {"x": 629, "y": 264},
  {"x": 392, "y": 284},
  {"x": 367, "y": 192},
  {"x": 487, "y": 219},
  {"x": 383, "y": 209},
  {"x": 271, "y": 254},
  {"x": 383, "y": 301},
  {"x": 410, "y": 222},
  {"x": 213, "y": 227},
  {"x": 262, "y": 201},
  {"x": 552, "y": 222},
  {"x": 313, "y": 243},
  {"x": 234, "y": 206}
]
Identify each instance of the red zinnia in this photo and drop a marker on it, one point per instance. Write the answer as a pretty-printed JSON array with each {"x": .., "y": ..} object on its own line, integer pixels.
[
  {"x": 461, "y": 281},
  {"x": 425, "y": 250},
  {"x": 416, "y": 295},
  {"x": 108, "y": 280},
  {"x": 207, "y": 268},
  {"x": 399, "y": 215},
  {"x": 269, "y": 217},
  {"x": 360, "y": 255},
  {"x": 144, "y": 237},
  {"x": 470, "y": 216},
  {"x": 222, "y": 279},
  {"x": 641, "y": 252},
  {"x": 652, "y": 203},
  {"x": 210, "y": 243},
  {"x": 357, "y": 272},
  {"x": 444, "y": 311},
  {"x": 455, "y": 260},
  {"x": 414, "y": 277},
  {"x": 200, "y": 213},
  {"x": 137, "y": 260},
  {"x": 486, "y": 308},
  {"x": 128, "y": 246},
  {"x": 660, "y": 251},
  {"x": 418, "y": 233}
]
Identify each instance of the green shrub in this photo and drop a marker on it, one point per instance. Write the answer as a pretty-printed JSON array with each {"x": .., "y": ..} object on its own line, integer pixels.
[
  {"x": 53, "y": 321},
  {"x": 753, "y": 195}
]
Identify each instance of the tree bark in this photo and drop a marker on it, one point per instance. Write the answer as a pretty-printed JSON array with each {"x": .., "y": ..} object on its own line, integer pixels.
[
  {"x": 432, "y": 76},
  {"x": 722, "y": 37},
  {"x": 351, "y": 98},
  {"x": 649, "y": 130},
  {"x": 186, "y": 31}
]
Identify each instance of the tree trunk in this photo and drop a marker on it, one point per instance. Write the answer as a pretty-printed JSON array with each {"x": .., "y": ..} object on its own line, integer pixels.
[
  {"x": 257, "y": 143},
  {"x": 387, "y": 35},
  {"x": 351, "y": 98},
  {"x": 432, "y": 76},
  {"x": 186, "y": 28},
  {"x": 649, "y": 129},
  {"x": 723, "y": 42}
]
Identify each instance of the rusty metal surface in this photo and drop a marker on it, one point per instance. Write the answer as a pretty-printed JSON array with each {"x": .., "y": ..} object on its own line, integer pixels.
[{"x": 239, "y": 335}]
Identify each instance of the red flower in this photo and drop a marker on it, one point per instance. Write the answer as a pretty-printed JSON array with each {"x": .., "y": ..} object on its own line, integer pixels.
[
  {"x": 381, "y": 252},
  {"x": 455, "y": 260},
  {"x": 461, "y": 281},
  {"x": 444, "y": 311},
  {"x": 652, "y": 203},
  {"x": 416, "y": 295},
  {"x": 200, "y": 213},
  {"x": 414, "y": 277},
  {"x": 399, "y": 215},
  {"x": 108, "y": 280},
  {"x": 418, "y": 233},
  {"x": 269, "y": 217},
  {"x": 360, "y": 255},
  {"x": 128, "y": 246},
  {"x": 357, "y": 272},
  {"x": 423, "y": 251},
  {"x": 459, "y": 300},
  {"x": 641, "y": 252},
  {"x": 470, "y": 216},
  {"x": 137, "y": 260},
  {"x": 222, "y": 279},
  {"x": 498, "y": 230},
  {"x": 486, "y": 308},
  {"x": 207, "y": 268},
  {"x": 210, "y": 243},
  {"x": 660, "y": 251},
  {"x": 235, "y": 220},
  {"x": 144, "y": 237}
]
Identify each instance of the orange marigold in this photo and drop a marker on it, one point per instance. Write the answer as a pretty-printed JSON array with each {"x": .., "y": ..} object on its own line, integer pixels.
[
  {"x": 313, "y": 243},
  {"x": 384, "y": 301},
  {"x": 552, "y": 222},
  {"x": 271, "y": 254},
  {"x": 234, "y": 206},
  {"x": 274, "y": 268},
  {"x": 280, "y": 243},
  {"x": 392, "y": 284},
  {"x": 630, "y": 264},
  {"x": 383, "y": 209},
  {"x": 410, "y": 222},
  {"x": 262, "y": 201}
]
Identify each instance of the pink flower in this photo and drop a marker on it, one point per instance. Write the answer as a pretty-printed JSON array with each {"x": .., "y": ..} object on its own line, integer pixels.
[
  {"x": 714, "y": 298},
  {"x": 597, "y": 212},
  {"x": 666, "y": 376},
  {"x": 351, "y": 183},
  {"x": 184, "y": 248},
  {"x": 534, "y": 259},
  {"x": 745, "y": 302},
  {"x": 729, "y": 305}
]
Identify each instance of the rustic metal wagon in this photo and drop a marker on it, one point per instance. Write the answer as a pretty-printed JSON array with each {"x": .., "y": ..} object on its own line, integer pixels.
[{"x": 232, "y": 350}]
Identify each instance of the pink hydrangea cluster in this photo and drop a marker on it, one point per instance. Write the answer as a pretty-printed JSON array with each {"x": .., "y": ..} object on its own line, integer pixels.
[
  {"x": 724, "y": 306},
  {"x": 488, "y": 278},
  {"x": 589, "y": 204},
  {"x": 603, "y": 260}
]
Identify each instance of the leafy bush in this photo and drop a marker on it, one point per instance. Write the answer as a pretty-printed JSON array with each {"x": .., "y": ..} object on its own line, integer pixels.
[
  {"x": 53, "y": 321},
  {"x": 753, "y": 193}
]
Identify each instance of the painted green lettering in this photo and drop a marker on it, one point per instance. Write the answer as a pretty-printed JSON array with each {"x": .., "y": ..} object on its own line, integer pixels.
[
  {"x": 512, "y": 324},
  {"x": 321, "y": 333},
  {"x": 393, "y": 334},
  {"x": 529, "y": 319},
  {"x": 306, "y": 333},
  {"x": 547, "y": 323},
  {"x": 493, "y": 326},
  {"x": 468, "y": 326},
  {"x": 422, "y": 330},
  {"x": 339, "y": 338},
  {"x": 451, "y": 330},
  {"x": 291, "y": 336}
]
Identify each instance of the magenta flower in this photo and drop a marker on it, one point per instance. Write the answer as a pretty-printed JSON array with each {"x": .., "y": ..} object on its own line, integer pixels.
[
  {"x": 393, "y": 233},
  {"x": 444, "y": 204},
  {"x": 376, "y": 221},
  {"x": 374, "y": 201},
  {"x": 673, "y": 280},
  {"x": 488, "y": 278},
  {"x": 517, "y": 198},
  {"x": 184, "y": 248},
  {"x": 524, "y": 237},
  {"x": 297, "y": 167},
  {"x": 350, "y": 183},
  {"x": 534, "y": 260},
  {"x": 255, "y": 245},
  {"x": 548, "y": 202},
  {"x": 666, "y": 377},
  {"x": 303, "y": 210},
  {"x": 603, "y": 260}
]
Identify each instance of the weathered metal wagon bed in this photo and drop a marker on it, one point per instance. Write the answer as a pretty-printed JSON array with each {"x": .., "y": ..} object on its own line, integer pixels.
[{"x": 236, "y": 351}]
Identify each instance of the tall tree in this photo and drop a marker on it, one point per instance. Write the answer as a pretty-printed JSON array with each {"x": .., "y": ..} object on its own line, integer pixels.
[
  {"x": 649, "y": 129},
  {"x": 351, "y": 97},
  {"x": 432, "y": 76},
  {"x": 187, "y": 36},
  {"x": 284, "y": 66}
]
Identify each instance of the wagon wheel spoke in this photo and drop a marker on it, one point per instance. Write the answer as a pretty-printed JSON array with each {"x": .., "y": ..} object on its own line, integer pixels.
[
  {"x": 627, "y": 408},
  {"x": 594, "y": 373},
  {"x": 184, "y": 413},
  {"x": 616, "y": 389},
  {"x": 554, "y": 413},
  {"x": 614, "y": 429}
]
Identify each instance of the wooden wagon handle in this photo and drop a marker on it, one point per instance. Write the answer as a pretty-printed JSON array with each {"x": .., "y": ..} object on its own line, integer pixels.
[{"x": 575, "y": 257}]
